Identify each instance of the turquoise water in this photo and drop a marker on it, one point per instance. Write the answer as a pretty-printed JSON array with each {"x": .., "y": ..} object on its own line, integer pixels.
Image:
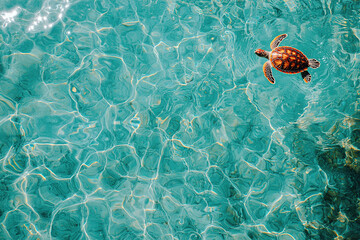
[{"x": 153, "y": 120}]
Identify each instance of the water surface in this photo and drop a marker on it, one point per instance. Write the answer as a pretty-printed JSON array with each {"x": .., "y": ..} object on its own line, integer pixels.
[{"x": 153, "y": 120}]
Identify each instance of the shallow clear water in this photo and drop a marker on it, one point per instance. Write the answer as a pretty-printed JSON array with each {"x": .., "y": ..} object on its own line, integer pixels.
[{"x": 153, "y": 120}]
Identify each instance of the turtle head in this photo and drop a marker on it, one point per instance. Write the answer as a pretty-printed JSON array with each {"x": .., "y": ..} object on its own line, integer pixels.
[{"x": 262, "y": 53}]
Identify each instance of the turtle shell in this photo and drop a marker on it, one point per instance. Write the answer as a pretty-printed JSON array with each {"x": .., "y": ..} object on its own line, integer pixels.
[{"x": 288, "y": 60}]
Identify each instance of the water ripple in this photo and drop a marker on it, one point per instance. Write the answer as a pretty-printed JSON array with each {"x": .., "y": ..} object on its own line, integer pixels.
[{"x": 145, "y": 120}]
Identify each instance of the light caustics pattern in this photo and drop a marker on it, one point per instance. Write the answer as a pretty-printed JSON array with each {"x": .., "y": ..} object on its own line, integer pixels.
[{"x": 153, "y": 120}]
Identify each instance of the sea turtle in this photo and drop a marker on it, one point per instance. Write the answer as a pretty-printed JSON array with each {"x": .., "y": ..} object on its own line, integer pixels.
[{"x": 286, "y": 60}]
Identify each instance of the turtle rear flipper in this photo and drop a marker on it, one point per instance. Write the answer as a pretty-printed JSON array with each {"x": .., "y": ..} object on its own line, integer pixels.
[
  {"x": 313, "y": 63},
  {"x": 306, "y": 76},
  {"x": 268, "y": 72}
]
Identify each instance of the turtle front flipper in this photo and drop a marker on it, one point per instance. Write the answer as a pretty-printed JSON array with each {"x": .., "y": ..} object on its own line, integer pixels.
[
  {"x": 275, "y": 43},
  {"x": 268, "y": 72},
  {"x": 306, "y": 76}
]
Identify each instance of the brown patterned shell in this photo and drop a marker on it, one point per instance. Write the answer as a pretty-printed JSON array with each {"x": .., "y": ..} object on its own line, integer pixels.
[{"x": 288, "y": 60}]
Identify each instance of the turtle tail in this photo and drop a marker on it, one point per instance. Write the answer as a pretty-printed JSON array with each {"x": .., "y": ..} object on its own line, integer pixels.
[{"x": 314, "y": 63}]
